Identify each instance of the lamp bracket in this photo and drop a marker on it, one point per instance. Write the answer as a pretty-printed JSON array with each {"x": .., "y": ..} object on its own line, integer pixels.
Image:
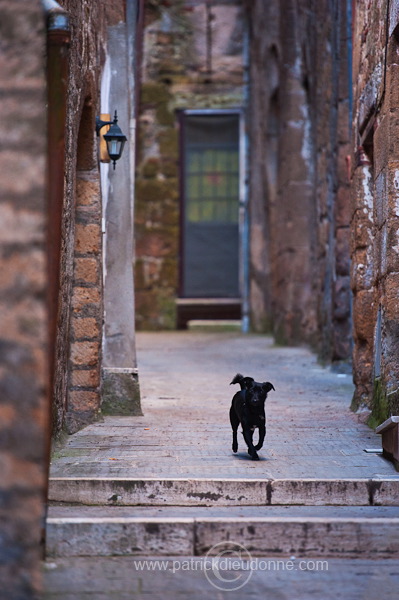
[{"x": 100, "y": 124}]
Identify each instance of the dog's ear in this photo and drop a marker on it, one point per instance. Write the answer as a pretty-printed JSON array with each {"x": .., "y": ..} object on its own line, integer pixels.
[
  {"x": 237, "y": 379},
  {"x": 248, "y": 382},
  {"x": 268, "y": 386},
  {"x": 245, "y": 382}
]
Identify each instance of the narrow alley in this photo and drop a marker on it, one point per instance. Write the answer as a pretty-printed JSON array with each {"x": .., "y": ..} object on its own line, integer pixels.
[
  {"x": 168, "y": 485},
  {"x": 191, "y": 190}
]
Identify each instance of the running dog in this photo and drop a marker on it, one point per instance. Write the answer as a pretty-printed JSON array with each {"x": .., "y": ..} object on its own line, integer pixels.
[{"x": 248, "y": 408}]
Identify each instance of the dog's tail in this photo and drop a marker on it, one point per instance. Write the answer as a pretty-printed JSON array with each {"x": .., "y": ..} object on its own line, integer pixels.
[{"x": 238, "y": 379}]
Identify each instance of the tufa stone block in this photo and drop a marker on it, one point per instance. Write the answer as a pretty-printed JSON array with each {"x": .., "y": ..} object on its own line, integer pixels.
[
  {"x": 85, "y": 328},
  {"x": 85, "y": 378},
  {"x": 85, "y": 353},
  {"x": 87, "y": 239},
  {"x": 86, "y": 270}
]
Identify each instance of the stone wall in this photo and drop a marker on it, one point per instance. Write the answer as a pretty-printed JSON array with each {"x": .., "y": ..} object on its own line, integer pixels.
[
  {"x": 83, "y": 322},
  {"x": 192, "y": 58},
  {"x": 77, "y": 392},
  {"x": 299, "y": 188},
  {"x": 24, "y": 409},
  {"x": 375, "y": 201}
]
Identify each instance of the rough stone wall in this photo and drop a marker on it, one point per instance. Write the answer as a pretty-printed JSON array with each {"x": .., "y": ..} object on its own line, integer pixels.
[
  {"x": 375, "y": 202},
  {"x": 23, "y": 317},
  {"x": 299, "y": 133},
  {"x": 77, "y": 395},
  {"x": 192, "y": 58}
]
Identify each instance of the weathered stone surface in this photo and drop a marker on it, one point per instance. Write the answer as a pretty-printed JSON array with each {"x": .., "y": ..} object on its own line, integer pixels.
[
  {"x": 119, "y": 537},
  {"x": 304, "y": 247},
  {"x": 158, "y": 492},
  {"x": 24, "y": 357},
  {"x": 86, "y": 271},
  {"x": 375, "y": 187},
  {"x": 87, "y": 190},
  {"x": 313, "y": 537},
  {"x": 342, "y": 300},
  {"x": 262, "y": 536},
  {"x": 120, "y": 392},
  {"x": 364, "y": 315},
  {"x": 342, "y": 253},
  {"x": 84, "y": 299},
  {"x": 82, "y": 401},
  {"x": 85, "y": 328},
  {"x": 87, "y": 378},
  {"x": 85, "y": 353},
  {"x": 342, "y": 207},
  {"x": 88, "y": 239},
  {"x": 186, "y": 577},
  {"x": 224, "y": 492}
]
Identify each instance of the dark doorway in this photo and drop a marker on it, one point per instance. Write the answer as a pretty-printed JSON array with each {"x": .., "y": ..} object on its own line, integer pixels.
[{"x": 210, "y": 189}]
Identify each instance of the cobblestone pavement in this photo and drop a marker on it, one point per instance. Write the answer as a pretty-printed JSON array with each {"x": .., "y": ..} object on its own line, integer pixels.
[{"x": 185, "y": 431}]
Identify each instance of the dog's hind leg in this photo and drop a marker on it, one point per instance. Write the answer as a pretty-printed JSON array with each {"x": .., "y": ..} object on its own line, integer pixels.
[{"x": 234, "y": 420}]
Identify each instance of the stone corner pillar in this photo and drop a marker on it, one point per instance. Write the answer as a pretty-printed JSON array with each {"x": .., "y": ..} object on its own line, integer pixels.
[
  {"x": 120, "y": 392},
  {"x": 119, "y": 379}
]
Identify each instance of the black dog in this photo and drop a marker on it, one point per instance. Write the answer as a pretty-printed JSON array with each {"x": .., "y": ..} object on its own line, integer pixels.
[{"x": 248, "y": 408}]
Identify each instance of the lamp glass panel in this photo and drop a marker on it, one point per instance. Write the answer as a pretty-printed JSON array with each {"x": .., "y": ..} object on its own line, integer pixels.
[{"x": 114, "y": 148}]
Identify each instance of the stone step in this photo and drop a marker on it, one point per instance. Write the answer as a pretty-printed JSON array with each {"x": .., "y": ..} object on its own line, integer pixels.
[
  {"x": 198, "y": 578},
  {"x": 320, "y": 532},
  {"x": 224, "y": 492}
]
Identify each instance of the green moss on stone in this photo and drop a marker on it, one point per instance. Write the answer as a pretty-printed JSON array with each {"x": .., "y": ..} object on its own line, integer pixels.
[
  {"x": 380, "y": 410},
  {"x": 152, "y": 190},
  {"x": 169, "y": 168},
  {"x": 150, "y": 168},
  {"x": 155, "y": 310},
  {"x": 168, "y": 66},
  {"x": 170, "y": 214},
  {"x": 154, "y": 93},
  {"x": 167, "y": 305},
  {"x": 164, "y": 115},
  {"x": 168, "y": 274},
  {"x": 168, "y": 145},
  {"x": 120, "y": 393}
]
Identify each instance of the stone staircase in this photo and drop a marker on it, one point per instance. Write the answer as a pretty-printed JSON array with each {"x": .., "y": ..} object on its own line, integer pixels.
[{"x": 356, "y": 518}]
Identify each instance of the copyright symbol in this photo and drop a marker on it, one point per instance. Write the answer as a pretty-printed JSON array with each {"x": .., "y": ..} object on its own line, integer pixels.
[{"x": 225, "y": 564}]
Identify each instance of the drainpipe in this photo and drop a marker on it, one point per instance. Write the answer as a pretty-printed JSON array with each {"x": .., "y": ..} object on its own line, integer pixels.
[
  {"x": 58, "y": 39},
  {"x": 57, "y": 71}
]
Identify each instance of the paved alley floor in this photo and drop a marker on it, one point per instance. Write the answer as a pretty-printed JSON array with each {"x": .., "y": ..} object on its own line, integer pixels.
[
  {"x": 127, "y": 578},
  {"x": 185, "y": 431}
]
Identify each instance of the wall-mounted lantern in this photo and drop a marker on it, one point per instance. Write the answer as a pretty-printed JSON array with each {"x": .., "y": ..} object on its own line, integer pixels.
[{"x": 114, "y": 138}]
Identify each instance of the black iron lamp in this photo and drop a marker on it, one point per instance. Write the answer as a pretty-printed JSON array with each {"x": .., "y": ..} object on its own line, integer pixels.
[{"x": 114, "y": 138}]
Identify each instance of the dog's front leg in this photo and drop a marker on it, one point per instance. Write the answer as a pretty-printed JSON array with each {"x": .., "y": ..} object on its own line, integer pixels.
[
  {"x": 262, "y": 433},
  {"x": 234, "y": 420},
  {"x": 248, "y": 434}
]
